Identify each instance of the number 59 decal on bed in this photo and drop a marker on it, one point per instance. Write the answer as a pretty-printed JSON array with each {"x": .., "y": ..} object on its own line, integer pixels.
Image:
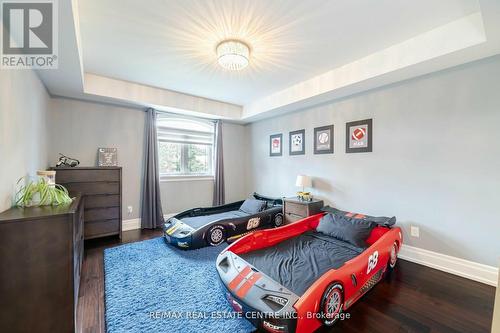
[
  {"x": 253, "y": 223},
  {"x": 372, "y": 262}
]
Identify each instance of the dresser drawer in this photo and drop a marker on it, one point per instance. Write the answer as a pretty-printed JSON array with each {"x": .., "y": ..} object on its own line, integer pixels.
[
  {"x": 101, "y": 188},
  {"x": 102, "y": 200},
  {"x": 290, "y": 218},
  {"x": 86, "y": 176},
  {"x": 296, "y": 209},
  {"x": 100, "y": 228},
  {"x": 97, "y": 214},
  {"x": 93, "y": 188}
]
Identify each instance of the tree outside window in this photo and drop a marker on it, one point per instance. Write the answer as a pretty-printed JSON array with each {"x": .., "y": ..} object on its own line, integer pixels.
[{"x": 185, "y": 147}]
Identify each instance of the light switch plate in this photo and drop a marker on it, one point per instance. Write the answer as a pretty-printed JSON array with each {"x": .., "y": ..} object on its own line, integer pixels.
[{"x": 414, "y": 231}]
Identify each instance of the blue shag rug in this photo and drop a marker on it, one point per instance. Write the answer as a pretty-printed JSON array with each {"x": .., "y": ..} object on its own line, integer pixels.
[{"x": 153, "y": 287}]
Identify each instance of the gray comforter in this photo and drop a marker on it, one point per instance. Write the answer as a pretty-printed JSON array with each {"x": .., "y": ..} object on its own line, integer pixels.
[{"x": 298, "y": 262}]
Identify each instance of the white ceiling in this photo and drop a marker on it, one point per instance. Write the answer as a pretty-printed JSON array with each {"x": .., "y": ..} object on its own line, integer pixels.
[{"x": 171, "y": 44}]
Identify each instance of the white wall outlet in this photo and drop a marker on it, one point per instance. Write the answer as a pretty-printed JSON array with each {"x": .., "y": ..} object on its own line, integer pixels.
[
  {"x": 414, "y": 231},
  {"x": 130, "y": 209}
]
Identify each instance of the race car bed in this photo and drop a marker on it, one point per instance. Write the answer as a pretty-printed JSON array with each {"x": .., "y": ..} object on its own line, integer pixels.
[
  {"x": 297, "y": 277},
  {"x": 201, "y": 227}
]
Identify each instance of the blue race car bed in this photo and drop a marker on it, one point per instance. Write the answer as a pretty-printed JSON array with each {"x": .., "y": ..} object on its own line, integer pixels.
[{"x": 200, "y": 227}]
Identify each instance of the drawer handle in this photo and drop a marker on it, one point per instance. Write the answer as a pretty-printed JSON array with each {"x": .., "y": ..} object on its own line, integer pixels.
[{"x": 101, "y": 220}]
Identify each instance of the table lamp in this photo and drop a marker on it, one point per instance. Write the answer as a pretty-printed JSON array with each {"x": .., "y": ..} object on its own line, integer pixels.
[{"x": 304, "y": 181}]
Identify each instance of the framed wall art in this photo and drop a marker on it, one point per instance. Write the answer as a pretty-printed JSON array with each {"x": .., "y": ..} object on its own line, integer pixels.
[
  {"x": 297, "y": 142},
  {"x": 107, "y": 157},
  {"x": 323, "y": 140},
  {"x": 276, "y": 145},
  {"x": 359, "y": 136}
]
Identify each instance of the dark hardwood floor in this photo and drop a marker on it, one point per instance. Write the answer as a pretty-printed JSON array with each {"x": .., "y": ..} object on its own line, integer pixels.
[
  {"x": 90, "y": 313},
  {"x": 415, "y": 298}
]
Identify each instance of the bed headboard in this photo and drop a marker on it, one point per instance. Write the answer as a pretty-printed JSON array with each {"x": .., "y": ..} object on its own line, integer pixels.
[{"x": 270, "y": 201}]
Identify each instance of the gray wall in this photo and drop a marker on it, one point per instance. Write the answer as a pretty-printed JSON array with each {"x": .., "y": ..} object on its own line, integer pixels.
[
  {"x": 181, "y": 195},
  {"x": 23, "y": 129},
  {"x": 435, "y": 162},
  {"x": 234, "y": 140},
  {"x": 78, "y": 128}
]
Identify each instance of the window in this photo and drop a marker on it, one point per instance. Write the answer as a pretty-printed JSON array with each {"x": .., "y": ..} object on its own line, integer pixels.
[{"x": 185, "y": 147}]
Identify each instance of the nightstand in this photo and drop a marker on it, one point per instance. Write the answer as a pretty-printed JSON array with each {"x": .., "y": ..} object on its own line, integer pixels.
[{"x": 295, "y": 209}]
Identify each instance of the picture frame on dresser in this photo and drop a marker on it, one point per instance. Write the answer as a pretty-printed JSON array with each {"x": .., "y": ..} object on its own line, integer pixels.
[
  {"x": 107, "y": 157},
  {"x": 101, "y": 188}
]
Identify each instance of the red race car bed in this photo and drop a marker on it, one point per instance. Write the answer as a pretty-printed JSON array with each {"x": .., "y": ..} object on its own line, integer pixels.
[{"x": 300, "y": 276}]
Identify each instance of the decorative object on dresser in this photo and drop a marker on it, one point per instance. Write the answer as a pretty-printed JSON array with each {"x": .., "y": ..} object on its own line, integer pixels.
[
  {"x": 107, "y": 157},
  {"x": 295, "y": 209},
  {"x": 304, "y": 182},
  {"x": 48, "y": 175},
  {"x": 40, "y": 193},
  {"x": 65, "y": 161},
  {"x": 41, "y": 252},
  {"x": 102, "y": 189}
]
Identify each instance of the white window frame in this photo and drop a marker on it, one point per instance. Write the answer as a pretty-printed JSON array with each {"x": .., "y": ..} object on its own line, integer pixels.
[{"x": 183, "y": 176}]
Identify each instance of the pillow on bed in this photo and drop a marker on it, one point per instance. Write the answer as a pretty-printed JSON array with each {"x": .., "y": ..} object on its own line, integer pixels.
[
  {"x": 253, "y": 206},
  {"x": 353, "y": 231},
  {"x": 380, "y": 220}
]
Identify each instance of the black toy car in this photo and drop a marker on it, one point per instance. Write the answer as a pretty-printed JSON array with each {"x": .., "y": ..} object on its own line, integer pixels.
[{"x": 200, "y": 227}]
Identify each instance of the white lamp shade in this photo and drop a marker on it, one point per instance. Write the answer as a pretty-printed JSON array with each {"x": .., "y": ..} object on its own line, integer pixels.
[{"x": 303, "y": 181}]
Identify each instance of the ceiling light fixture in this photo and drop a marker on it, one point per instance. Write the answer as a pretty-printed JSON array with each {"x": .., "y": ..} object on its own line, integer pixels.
[{"x": 233, "y": 54}]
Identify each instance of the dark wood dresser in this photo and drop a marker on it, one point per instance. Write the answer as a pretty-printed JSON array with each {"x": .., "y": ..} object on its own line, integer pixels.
[
  {"x": 41, "y": 252},
  {"x": 295, "y": 209},
  {"x": 102, "y": 189}
]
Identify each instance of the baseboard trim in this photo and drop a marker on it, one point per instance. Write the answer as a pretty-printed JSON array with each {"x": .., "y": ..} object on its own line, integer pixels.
[
  {"x": 461, "y": 267},
  {"x": 131, "y": 224},
  {"x": 134, "y": 224}
]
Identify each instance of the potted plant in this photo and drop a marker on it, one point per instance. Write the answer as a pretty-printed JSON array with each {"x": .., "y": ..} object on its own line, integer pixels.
[{"x": 41, "y": 193}]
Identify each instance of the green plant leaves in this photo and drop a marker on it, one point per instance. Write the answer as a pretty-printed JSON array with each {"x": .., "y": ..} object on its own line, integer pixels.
[{"x": 49, "y": 194}]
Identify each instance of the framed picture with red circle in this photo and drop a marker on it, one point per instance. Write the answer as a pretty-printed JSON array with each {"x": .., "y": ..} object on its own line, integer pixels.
[
  {"x": 359, "y": 136},
  {"x": 276, "y": 145}
]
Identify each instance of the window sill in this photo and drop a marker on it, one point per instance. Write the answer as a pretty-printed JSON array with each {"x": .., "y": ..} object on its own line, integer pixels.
[{"x": 186, "y": 178}]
